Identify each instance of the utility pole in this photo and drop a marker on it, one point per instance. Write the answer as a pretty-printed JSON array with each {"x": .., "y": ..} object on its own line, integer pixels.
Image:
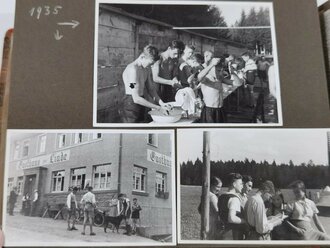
[{"x": 205, "y": 206}]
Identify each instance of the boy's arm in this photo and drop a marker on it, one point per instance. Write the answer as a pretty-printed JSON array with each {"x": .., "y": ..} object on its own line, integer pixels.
[
  {"x": 207, "y": 69},
  {"x": 215, "y": 85}
]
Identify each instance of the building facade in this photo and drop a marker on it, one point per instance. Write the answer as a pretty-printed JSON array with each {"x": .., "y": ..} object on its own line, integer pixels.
[{"x": 137, "y": 164}]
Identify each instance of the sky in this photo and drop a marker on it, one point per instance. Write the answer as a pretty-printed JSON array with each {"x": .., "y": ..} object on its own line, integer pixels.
[
  {"x": 281, "y": 145},
  {"x": 231, "y": 11}
]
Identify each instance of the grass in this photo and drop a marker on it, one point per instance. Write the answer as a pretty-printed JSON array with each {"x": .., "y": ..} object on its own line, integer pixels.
[{"x": 191, "y": 220}]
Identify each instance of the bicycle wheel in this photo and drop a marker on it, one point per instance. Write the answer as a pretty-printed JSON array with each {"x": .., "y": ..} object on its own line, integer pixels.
[{"x": 98, "y": 219}]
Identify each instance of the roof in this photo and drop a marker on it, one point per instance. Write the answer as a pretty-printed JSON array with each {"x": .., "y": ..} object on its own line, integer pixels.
[{"x": 164, "y": 24}]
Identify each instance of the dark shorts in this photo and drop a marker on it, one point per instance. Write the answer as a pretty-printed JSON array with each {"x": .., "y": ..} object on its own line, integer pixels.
[
  {"x": 213, "y": 115},
  {"x": 134, "y": 113},
  {"x": 250, "y": 77}
]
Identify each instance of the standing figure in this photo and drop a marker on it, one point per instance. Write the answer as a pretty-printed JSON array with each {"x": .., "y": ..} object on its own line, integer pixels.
[
  {"x": 12, "y": 200},
  {"x": 263, "y": 66},
  {"x": 260, "y": 226},
  {"x": 136, "y": 208},
  {"x": 26, "y": 204},
  {"x": 89, "y": 203},
  {"x": 126, "y": 212},
  {"x": 247, "y": 187},
  {"x": 34, "y": 202},
  {"x": 141, "y": 94},
  {"x": 303, "y": 212},
  {"x": 249, "y": 70},
  {"x": 72, "y": 205},
  {"x": 165, "y": 71},
  {"x": 230, "y": 210}
]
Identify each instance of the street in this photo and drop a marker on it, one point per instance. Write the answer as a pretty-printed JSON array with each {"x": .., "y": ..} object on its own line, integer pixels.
[{"x": 25, "y": 230}]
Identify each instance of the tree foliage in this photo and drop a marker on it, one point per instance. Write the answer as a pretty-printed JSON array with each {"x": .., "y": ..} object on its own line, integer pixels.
[{"x": 314, "y": 176}]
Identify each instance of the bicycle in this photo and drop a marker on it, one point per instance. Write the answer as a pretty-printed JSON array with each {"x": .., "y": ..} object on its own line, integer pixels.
[{"x": 98, "y": 216}]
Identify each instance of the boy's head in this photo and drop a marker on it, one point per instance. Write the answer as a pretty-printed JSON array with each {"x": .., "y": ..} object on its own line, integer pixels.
[
  {"x": 74, "y": 190},
  {"x": 149, "y": 56},
  {"x": 208, "y": 55},
  {"x": 175, "y": 49},
  {"x": 134, "y": 200},
  {"x": 195, "y": 60},
  {"x": 246, "y": 56},
  {"x": 235, "y": 181},
  {"x": 247, "y": 184},
  {"x": 188, "y": 51}
]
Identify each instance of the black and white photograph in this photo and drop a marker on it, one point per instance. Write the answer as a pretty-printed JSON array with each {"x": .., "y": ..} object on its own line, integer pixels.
[
  {"x": 185, "y": 63},
  {"x": 86, "y": 188},
  {"x": 254, "y": 186}
]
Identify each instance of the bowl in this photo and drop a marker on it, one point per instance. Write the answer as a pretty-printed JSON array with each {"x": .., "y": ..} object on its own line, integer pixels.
[{"x": 158, "y": 117}]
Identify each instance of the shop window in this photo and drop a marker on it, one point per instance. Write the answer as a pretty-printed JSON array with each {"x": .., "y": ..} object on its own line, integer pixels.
[
  {"x": 58, "y": 181},
  {"x": 42, "y": 144},
  {"x": 20, "y": 185},
  {"x": 160, "y": 182},
  {"x": 102, "y": 177},
  {"x": 78, "y": 176},
  {"x": 10, "y": 185},
  {"x": 77, "y": 138},
  {"x": 25, "y": 151},
  {"x": 16, "y": 151},
  {"x": 153, "y": 139},
  {"x": 96, "y": 136},
  {"x": 61, "y": 140},
  {"x": 139, "y": 179}
]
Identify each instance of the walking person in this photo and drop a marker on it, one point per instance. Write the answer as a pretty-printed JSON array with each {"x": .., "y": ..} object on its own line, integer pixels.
[
  {"x": 126, "y": 212},
  {"x": 260, "y": 226},
  {"x": 72, "y": 205},
  {"x": 230, "y": 210},
  {"x": 89, "y": 203},
  {"x": 303, "y": 212},
  {"x": 12, "y": 200},
  {"x": 136, "y": 208}
]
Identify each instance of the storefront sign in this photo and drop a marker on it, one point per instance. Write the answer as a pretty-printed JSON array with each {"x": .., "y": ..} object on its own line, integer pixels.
[
  {"x": 49, "y": 159},
  {"x": 158, "y": 158}
]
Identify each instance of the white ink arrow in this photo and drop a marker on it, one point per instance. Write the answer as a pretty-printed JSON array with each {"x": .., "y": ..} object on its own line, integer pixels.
[
  {"x": 57, "y": 35},
  {"x": 73, "y": 23}
]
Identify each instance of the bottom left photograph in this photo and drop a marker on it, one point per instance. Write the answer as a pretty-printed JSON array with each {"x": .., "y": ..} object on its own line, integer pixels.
[{"x": 89, "y": 188}]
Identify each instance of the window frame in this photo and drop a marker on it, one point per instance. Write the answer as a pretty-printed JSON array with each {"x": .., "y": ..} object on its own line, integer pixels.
[
  {"x": 142, "y": 176},
  {"x": 155, "y": 143},
  {"x": 28, "y": 148},
  {"x": 99, "y": 177},
  {"x": 38, "y": 144},
  {"x": 62, "y": 181},
  {"x": 83, "y": 179},
  {"x": 164, "y": 180}
]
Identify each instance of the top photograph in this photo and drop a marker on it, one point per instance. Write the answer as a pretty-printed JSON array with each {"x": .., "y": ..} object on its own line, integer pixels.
[{"x": 188, "y": 63}]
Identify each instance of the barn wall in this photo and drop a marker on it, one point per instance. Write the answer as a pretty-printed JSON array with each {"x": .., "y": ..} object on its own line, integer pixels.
[{"x": 120, "y": 40}]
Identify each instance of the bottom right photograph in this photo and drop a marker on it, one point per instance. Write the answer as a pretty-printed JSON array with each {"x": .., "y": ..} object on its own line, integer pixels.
[{"x": 253, "y": 186}]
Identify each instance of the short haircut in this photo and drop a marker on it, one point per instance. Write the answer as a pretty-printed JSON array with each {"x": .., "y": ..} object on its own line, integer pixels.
[
  {"x": 177, "y": 44},
  {"x": 190, "y": 47},
  {"x": 120, "y": 195},
  {"x": 247, "y": 178},
  {"x": 151, "y": 52},
  {"x": 298, "y": 184},
  {"x": 198, "y": 58},
  {"x": 233, "y": 177},
  {"x": 208, "y": 51},
  {"x": 75, "y": 189},
  {"x": 246, "y": 54},
  {"x": 90, "y": 188},
  {"x": 215, "y": 181},
  {"x": 268, "y": 186},
  {"x": 134, "y": 199}
]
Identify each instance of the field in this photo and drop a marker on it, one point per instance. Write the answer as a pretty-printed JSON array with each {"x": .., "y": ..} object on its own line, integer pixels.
[{"x": 190, "y": 218}]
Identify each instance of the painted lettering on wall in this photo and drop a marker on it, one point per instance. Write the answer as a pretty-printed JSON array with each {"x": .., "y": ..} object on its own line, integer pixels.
[{"x": 158, "y": 158}]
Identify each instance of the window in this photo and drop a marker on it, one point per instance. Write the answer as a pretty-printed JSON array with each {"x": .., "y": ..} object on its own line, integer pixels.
[
  {"x": 139, "y": 178},
  {"x": 78, "y": 178},
  {"x": 41, "y": 144},
  {"x": 61, "y": 140},
  {"x": 77, "y": 138},
  {"x": 25, "y": 152},
  {"x": 102, "y": 177},
  {"x": 20, "y": 185},
  {"x": 160, "y": 182},
  {"x": 10, "y": 185},
  {"x": 16, "y": 151},
  {"x": 153, "y": 139},
  {"x": 58, "y": 181},
  {"x": 96, "y": 136}
]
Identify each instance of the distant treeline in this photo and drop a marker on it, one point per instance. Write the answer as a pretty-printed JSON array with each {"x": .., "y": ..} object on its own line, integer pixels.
[{"x": 314, "y": 176}]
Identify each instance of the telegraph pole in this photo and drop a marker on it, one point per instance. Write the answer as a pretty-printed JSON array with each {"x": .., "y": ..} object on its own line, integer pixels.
[{"x": 205, "y": 206}]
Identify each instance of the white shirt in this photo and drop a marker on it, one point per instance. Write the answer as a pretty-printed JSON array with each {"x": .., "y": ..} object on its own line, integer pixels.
[
  {"x": 35, "y": 196},
  {"x": 213, "y": 98},
  {"x": 71, "y": 197},
  {"x": 89, "y": 197}
]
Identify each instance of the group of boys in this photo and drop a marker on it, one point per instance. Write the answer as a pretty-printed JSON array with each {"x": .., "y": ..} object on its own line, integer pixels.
[
  {"x": 127, "y": 210},
  {"x": 153, "y": 79}
]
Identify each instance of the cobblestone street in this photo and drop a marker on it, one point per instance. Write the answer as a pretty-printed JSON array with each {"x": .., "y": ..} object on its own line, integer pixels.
[{"x": 23, "y": 230}]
